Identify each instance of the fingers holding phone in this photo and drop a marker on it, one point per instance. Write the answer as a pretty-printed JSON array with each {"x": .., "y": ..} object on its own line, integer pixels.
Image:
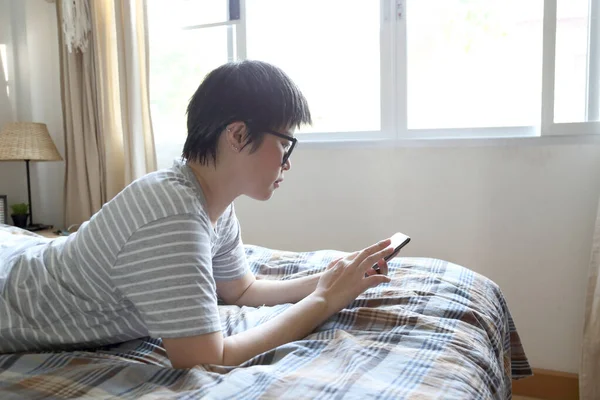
[{"x": 381, "y": 267}]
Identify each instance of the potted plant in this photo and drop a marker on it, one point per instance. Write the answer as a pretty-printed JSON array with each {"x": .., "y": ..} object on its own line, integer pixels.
[{"x": 20, "y": 213}]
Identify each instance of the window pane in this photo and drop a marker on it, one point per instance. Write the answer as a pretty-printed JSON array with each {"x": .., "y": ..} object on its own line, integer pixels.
[
  {"x": 474, "y": 63},
  {"x": 179, "y": 61},
  {"x": 330, "y": 49},
  {"x": 571, "y": 75}
]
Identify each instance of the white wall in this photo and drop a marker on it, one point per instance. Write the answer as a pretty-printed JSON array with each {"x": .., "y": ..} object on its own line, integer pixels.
[
  {"x": 520, "y": 214},
  {"x": 30, "y": 30}
]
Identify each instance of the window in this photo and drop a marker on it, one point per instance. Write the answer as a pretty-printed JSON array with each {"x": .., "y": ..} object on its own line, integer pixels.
[
  {"x": 331, "y": 49},
  {"x": 385, "y": 69},
  {"x": 179, "y": 59},
  {"x": 571, "y": 73}
]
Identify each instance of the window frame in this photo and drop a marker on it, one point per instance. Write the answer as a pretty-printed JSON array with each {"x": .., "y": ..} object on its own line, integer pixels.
[
  {"x": 402, "y": 130},
  {"x": 393, "y": 82},
  {"x": 548, "y": 126}
]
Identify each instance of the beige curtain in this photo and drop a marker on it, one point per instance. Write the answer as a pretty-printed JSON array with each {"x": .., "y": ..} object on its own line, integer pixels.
[
  {"x": 589, "y": 371},
  {"x": 106, "y": 107},
  {"x": 84, "y": 179}
]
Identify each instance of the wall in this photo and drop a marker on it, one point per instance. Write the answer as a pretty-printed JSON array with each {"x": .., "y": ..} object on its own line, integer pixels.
[
  {"x": 30, "y": 30},
  {"x": 518, "y": 213}
]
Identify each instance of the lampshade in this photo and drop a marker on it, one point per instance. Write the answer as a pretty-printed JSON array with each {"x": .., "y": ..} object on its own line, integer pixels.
[{"x": 27, "y": 141}]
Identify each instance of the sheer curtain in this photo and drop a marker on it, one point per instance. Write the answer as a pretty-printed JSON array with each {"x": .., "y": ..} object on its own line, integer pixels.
[
  {"x": 589, "y": 371},
  {"x": 104, "y": 74}
]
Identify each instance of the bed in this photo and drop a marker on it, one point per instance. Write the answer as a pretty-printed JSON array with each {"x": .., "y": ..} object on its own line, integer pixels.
[{"x": 436, "y": 331}]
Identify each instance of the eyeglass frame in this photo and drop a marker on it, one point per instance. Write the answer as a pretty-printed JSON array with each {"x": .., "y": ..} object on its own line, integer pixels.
[{"x": 292, "y": 139}]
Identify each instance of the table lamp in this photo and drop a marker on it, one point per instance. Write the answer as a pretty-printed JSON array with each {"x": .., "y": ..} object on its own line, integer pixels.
[{"x": 28, "y": 141}]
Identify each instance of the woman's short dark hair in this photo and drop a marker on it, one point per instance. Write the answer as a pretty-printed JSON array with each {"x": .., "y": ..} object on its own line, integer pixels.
[{"x": 254, "y": 92}]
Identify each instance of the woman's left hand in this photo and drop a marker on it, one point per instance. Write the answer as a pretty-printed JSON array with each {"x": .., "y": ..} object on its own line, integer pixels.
[{"x": 381, "y": 264}]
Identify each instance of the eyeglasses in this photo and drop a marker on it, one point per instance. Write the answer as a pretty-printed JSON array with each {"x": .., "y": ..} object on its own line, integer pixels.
[{"x": 287, "y": 154}]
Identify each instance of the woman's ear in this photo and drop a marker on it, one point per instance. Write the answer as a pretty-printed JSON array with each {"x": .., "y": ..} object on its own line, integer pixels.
[{"x": 235, "y": 135}]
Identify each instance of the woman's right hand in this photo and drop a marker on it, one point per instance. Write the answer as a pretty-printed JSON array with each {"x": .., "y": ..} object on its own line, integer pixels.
[{"x": 343, "y": 282}]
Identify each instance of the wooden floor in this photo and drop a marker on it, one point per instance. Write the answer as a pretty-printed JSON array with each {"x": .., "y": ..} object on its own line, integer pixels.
[{"x": 523, "y": 398}]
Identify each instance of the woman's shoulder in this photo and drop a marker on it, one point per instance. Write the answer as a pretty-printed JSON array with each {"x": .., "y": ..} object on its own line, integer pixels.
[
  {"x": 167, "y": 191},
  {"x": 156, "y": 196}
]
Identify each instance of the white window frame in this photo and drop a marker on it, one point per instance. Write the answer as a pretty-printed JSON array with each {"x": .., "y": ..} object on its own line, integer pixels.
[
  {"x": 387, "y": 65},
  {"x": 402, "y": 130},
  {"x": 393, "y": 64},
  {"x": 549, "y": 127},
  {"x": 593, "y": 94}
]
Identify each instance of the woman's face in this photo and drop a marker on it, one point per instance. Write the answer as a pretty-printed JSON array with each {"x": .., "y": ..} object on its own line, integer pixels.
[{"x": 263, "y": 171}]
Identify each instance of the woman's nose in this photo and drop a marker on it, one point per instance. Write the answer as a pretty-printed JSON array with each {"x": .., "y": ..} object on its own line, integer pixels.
[{"x": 287, "y": 165}]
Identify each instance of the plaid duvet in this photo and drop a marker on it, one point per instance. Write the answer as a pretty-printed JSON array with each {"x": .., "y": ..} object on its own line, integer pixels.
[{"x": 436, "y": 331}]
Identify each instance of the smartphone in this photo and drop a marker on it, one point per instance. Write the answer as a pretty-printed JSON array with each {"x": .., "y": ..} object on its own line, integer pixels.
[{"x": 399, "y": 240}]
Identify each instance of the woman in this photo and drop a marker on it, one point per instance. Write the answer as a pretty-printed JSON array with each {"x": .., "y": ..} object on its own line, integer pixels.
[{"x": 154, "y": 259}]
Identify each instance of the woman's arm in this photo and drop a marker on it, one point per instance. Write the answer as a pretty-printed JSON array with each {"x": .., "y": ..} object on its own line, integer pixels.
[
  {"x": 249, "y": 291},
  {"x": 212, "y": 348},
  {"x": 335, "y": 289}
]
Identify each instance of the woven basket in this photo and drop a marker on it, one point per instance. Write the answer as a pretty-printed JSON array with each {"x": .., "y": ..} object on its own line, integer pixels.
[{"x": 27, "y": 141}]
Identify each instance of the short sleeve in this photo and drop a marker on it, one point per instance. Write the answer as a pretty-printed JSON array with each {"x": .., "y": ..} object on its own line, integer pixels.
[
  {"x": 165, "y": 270},
  {"x": 230, "y": 260}
]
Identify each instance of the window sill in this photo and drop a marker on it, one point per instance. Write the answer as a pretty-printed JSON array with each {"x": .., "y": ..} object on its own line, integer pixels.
[{"x": 449, "y": 142}]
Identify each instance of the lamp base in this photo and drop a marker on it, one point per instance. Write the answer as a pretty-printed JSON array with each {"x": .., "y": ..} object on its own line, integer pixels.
[{"x": 38, "y": 227}]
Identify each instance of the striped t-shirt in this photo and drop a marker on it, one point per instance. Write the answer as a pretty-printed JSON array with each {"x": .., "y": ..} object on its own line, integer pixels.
[{"x": 144, "y": 265}]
